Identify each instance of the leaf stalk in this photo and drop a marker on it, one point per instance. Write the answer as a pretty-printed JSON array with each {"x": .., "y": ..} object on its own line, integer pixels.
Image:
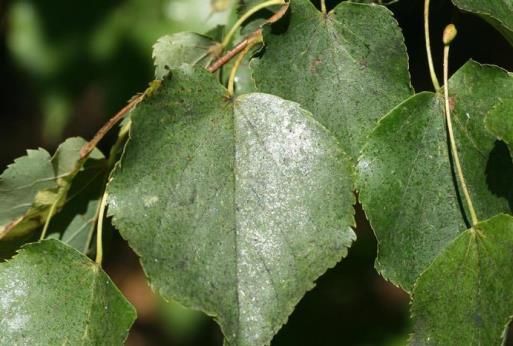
[
  {"x": 323, "y": 7},
  {"x": 434, "y": 78},
  {"x": 448, "y": 37},
  {"x": 233, "y": 72},
  {"x": 246, "y": 16},
  {"x": 99, "y": 230}
]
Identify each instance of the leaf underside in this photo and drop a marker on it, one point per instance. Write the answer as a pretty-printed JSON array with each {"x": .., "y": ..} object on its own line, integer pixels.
[
  {"x": 466, "y": 294},
  {"x": 235, "y": 206},
  {"x": 349, "y": 68},
  {"x": 53, "y": 295},
  {"x": 405, "y": 177}
]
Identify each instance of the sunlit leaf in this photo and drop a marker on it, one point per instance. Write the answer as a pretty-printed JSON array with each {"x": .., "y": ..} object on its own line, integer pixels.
[
  {"x": 236, "y": 205},
  {"x": 349, "y": 68}
]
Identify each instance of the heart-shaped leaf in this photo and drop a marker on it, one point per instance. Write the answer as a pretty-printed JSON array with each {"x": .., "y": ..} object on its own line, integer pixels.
[
  {"x": 54, "y": 295},
  {"x": 405, "y": 178},
  {"x": 466, "y": 294},
  {"x": 235, "y": 205},
  {"x": 349, "y": 67}
]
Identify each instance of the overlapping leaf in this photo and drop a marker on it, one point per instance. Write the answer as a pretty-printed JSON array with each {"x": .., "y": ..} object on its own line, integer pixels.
[
  {"x": 466, "y": 296},
  {"x": 235, "y": 205},
  {"x": 348, "y": 68},
  {"x": 498, "y": 13},
  {"x": 74, "y": 225},
  {"x": 30, "y": 186},
  {"x": 405, "y": 178},
  {"x": 171, "y": 51},
  {"x": 53, "y": 295}
]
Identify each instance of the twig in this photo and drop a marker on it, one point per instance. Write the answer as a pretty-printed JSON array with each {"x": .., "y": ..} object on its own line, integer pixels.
[
  {"x": 89, "y": 147},
  {"x": 243, "y": 44}
]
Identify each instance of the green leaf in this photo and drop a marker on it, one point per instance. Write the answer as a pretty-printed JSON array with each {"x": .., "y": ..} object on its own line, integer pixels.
[
  {"x": 499, "y": 13},
  {"x": 53, "y": 295},
  {"x": 405, "y": 177},
  {"x": 34, "y": 182},
  {"x": 235, "y": 205},
  {"x": 75, "y": 224},
  {"x": 500, "y": 122},
  {"x": 348, "y": 68},
  {"x": 20, "y": 183},
  {"x": 171, "y": 51},
  {"x": 466, "y": 294}
]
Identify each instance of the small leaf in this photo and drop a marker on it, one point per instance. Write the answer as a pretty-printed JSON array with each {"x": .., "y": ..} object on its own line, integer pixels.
[
  {"x": 171, "y": 51},
  {"x": 466, "y": 294},
  {"x": 74, "y": 225},
  {"x": 500, "y": 122},
  {"x": 498, "y": 13},
  {"x": 349, "y": 68},
  {"x": 235, "y": 206},
  {"x": 33, "y": 183},
  {"x": 405, "y": 177},
  {"x": 53, "y": 295}
]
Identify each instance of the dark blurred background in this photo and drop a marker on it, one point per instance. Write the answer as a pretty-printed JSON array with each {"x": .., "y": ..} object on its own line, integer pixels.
[{"x": 66, "y": 66}]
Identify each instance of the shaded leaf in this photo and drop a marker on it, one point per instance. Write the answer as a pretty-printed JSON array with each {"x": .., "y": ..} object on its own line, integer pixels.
[
  {"x": 30, "y": 186},
  {"x": 466, "y": 294},
  {"x": 235, "y": 206},
  {"x": 53, "y": 295},
  {"x": 498, "y": 13},
  {"x": 405, "y": 178},
  {"x": 74, "y": 225},
  {"x": 171, "y": 51},
  {"x": 348, "y": 68},
  {"x": 500, "y": 122}
]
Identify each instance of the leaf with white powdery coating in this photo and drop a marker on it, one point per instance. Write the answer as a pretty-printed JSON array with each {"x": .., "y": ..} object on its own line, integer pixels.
[
  {"x": 466, "y": 294},
  {"x": 499, "y": 13},
  {"x": 349, "y": 67},
  {"x": 235, "y": 206},
  {"x": 54, "y": 295},
  {"x": 405, "y": 178}
]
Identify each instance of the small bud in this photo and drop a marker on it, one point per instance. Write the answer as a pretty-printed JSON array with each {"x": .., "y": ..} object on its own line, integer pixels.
[
  {"x": 450, "y": 33},
  {"x": 219, "y": 5}
]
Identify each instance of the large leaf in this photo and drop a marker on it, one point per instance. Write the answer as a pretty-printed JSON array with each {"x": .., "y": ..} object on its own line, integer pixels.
[
  {"x": 53, "y": 295},
  {"x": 465, "y": 297},
  {"x": 171, "y": 51},
  {"x": 498, "y": 13},
  {"x": 500, "y": 122},
  {"x": 235, "y": 205},
  {"x": 30, "y": 186},
  {"x": 405, "y": 178},
  {"x": 348, "y": 68}
]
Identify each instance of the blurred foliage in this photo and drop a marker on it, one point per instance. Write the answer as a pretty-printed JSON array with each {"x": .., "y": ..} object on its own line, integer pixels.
[{"x": 68, "y": 47}]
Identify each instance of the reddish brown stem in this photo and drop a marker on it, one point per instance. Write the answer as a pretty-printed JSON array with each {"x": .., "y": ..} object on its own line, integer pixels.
[
  {"x": 244, "y": 43},
  {"x": 88, "y": 147}
]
